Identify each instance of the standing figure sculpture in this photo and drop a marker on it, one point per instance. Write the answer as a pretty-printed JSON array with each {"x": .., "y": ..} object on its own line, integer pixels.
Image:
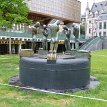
[
  {"x": 67, "y": 32},
  {"x": 76, "y": 34},
  {"x": 45, "y": 33},
  {"x": 53, "y": 29},
  {"x": 35, "y": 31}
]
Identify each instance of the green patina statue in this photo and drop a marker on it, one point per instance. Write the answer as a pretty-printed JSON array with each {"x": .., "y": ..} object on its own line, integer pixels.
[
  {"x": 35, "y": 31},
  {"x": 45, "y": 41},
  {"x": 53, "y": 30},
  {"x": 67, "y": 32},
  {"x": 76, "y": 34}
]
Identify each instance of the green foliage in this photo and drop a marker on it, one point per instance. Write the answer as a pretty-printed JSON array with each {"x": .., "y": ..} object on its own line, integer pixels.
[
  {"x": 13, "y": 11},
  {"x": 4, "y": 23}
]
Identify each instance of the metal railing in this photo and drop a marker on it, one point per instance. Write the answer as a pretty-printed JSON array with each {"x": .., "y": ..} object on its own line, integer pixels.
[{"x": 16, "y": 34}]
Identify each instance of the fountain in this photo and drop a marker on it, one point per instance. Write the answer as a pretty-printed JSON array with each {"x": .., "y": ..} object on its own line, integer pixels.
[{"x": 52, "y": 70}]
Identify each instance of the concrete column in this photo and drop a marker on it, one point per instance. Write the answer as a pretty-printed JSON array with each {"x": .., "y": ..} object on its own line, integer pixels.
[
  {"x": 16, "y": 27},
  {"x": 10, "y": 47},
  {"x": 72, "y": 45},
  {"x": 77, "y": 45},
  {"x": 20, "y": 47},
  {"x": 20, "y": 26},
  {"x": 13, "y": 49},
  {"x": 79, "y": 30}
]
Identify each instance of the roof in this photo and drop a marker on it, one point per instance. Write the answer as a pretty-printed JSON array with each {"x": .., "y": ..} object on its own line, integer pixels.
[
  {"x": 16, "y": 34},
  {"x": 83, "y": 16},
  {"x": 102, "y": 17},
  {"x": 38, "y": 37},
  {"x": 99, "y": 6}
]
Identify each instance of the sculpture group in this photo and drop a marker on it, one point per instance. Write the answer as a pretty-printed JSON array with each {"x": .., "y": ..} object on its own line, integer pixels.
[{"x": 54, "y": 31}]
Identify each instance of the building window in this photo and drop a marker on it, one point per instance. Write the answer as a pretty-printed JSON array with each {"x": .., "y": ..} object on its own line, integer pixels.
[
  {"x": 104, "y": 33},
  {"x": 89, "y": 30},
  {"x": 89, "y": 21},
  {"x": 99, "y": 33},
  {"x": 100, "y": 25},
  {"x": 105, "y": 25},
  {"x": 95, "y": 5}
]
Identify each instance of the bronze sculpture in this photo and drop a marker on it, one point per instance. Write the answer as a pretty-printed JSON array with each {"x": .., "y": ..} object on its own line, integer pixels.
[
  {"x": 45, "y": 41},
  {"x": 67, "y": 32},
  {"x": 53, "y": 30},
  {"x": 35, "y": 31},
  {"x": 76, "y": 34}
]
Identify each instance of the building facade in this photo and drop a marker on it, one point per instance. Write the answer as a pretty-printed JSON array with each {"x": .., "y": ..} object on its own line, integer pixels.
[
  {"x": 66, "y": 10},
  {"x": 96, "y": 19}
]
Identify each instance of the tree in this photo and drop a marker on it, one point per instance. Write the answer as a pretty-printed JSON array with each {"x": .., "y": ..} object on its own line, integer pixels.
[{"x": 13, "y": 11}]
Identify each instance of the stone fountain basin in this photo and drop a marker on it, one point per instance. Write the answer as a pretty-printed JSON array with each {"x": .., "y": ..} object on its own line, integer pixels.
[{"x": 63, "y": 74}]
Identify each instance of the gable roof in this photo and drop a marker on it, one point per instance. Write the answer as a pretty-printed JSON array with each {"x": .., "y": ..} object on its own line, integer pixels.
[
  {"x": 99, "y": 6},
  {"x": 102, "y": 17}
]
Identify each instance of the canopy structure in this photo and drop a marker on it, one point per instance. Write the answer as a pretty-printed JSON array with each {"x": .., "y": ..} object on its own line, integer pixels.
[{"x": 45, "y": 10}]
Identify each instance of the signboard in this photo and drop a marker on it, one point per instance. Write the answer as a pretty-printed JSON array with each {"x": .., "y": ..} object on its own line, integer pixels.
[{"x": 12, "y": 42}]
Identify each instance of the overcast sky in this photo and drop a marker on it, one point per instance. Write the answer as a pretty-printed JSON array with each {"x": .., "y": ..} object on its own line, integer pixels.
[{"x": 84, "y": 4}]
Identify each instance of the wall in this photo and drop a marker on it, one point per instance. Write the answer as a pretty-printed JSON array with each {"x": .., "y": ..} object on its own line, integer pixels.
[{"x": 61, "y": 9}]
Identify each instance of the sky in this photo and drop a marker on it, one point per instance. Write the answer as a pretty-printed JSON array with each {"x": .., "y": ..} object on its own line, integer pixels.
[{"x": 84, "y": 4}]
